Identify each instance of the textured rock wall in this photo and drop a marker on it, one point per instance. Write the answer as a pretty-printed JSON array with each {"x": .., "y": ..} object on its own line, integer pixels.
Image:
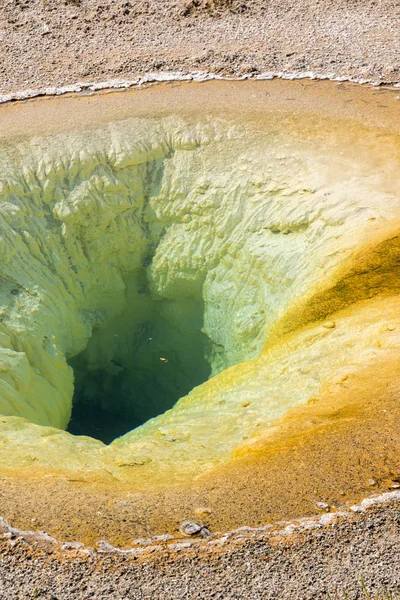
[{"x": 226, "y": 231}]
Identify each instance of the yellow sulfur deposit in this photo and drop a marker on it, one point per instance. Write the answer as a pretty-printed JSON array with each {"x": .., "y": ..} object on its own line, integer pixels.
[{"x": 199, "y": 268}]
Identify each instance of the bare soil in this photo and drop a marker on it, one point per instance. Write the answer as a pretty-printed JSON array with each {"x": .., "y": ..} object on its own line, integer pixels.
[
  {"x": 59, "y": 42},
  {"x": 334, "y": 561}
]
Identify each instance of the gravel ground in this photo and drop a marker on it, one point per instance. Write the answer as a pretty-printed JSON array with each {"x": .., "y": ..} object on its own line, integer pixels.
[
  {"x": 55, "y": 42},
  {"x": 308, "y": 566}
]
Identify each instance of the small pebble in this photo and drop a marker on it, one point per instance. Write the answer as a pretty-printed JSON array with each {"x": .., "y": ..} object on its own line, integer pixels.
[
  {"x": 322, "y": 506},
  {"x": 205, "y": 533},
  {"x": 190, "y": 528},
  {"x": 202, "y": 511},
  {"x": 329, "y": 324},
  {"x": 371, "y": 481},
  {"x": 395, "y": 475}
]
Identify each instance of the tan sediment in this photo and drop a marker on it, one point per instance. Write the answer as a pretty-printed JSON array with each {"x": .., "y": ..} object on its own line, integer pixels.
[{"x": 374, "y": 107}]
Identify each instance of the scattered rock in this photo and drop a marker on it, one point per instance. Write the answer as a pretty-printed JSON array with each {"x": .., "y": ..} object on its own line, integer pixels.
[
  {"x": 395, "y": 475},
  {"x": 190, "y": 528},
  {"x": 201, "y": 511},
  {"x": 45, "y": 29},
  {"x": 322, "y": 506},
  {"x": 72, "y": 546}
]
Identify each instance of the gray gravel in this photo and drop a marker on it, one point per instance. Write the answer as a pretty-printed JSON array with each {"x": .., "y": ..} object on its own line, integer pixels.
[
  {"x": 56, "y": 42},
  {"x": 305, "y": 566}
]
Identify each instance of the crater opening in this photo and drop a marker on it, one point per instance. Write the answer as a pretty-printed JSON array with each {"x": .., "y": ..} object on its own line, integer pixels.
[
  {"x": 208, "y": 276},
  {"x": 175, "y": 273},
  {"x": 137, "y": 367}
]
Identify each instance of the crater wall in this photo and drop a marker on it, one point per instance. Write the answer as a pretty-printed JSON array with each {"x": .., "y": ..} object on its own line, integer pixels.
[{"x": 216, "y": 272}]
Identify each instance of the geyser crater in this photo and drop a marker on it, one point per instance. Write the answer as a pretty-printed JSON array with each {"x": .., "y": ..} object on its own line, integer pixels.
[{"x": 173, "y": 274}]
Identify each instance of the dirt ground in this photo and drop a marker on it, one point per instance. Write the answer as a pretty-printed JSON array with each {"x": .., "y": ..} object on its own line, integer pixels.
[
  {"x": 60, "y": 42},
  {"x": 317, "y": 563}
]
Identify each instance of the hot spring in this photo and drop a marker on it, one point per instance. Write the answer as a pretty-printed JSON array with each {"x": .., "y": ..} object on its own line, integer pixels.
[{"x": 190, "y": 271}]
